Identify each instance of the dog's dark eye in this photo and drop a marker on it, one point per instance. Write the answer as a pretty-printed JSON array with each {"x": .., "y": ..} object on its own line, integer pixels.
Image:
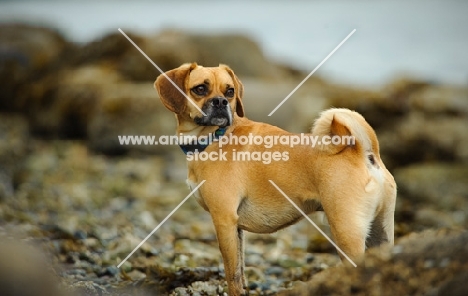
[
  {"x": 229, "y": 92},
  {"x": 200, "y": 90}
]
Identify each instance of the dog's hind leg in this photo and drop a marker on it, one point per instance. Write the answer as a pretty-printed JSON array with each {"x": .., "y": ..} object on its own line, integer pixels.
[
  {"x": 349, "y": 230},
  {"x": 350, "y": 212}
]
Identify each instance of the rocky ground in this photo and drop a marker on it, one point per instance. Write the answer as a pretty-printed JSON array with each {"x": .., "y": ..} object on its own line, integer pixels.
[{"x": 74, "y": 203}]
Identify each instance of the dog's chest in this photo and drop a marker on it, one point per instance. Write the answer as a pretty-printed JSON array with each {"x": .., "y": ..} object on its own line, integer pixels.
[{"x": 198, "y": 197}]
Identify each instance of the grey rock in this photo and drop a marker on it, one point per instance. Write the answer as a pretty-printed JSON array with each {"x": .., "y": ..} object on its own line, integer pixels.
[
  {"x": 444, "y": 185},
  {"x": 275, "y": 270}
]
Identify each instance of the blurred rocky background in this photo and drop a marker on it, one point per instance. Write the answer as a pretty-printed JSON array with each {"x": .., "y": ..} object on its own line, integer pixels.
[{"x": 74, "y": 202}]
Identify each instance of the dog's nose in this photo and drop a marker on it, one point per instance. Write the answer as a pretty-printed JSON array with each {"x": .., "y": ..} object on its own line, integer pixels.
[{"x": 219, "y": 102}]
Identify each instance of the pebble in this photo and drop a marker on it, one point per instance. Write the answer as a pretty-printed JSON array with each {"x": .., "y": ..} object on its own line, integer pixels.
[
  {"x": 274, "y": 270},
  {"x": 113, "y": 219},
  {"x": 254, "y": 259},
  {"x": 254, "y": 274},
  {"x": 80, "y": 234},
  {"x": 136, "y": 275},
  {"x": 109, "y": 270}
]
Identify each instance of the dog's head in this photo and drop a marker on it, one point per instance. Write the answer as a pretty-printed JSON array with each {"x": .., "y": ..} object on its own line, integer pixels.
[{"x": 215, "y": 90}]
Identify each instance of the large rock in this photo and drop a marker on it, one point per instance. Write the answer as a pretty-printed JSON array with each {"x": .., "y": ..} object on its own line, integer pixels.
[
  {"x": 415, "y": 121},
  {"x": 129, "y": 110},
  {"x": 444, "y": 186},
  {"x": 25, "y": 271},
  {"x": 25, "y": 52},
  {"x": 110, "y": 48},
  {"x": 420, "y": 137},
  {"x": 95, "y": 102},
  {"x": 14, "y": 136},
  {"x": 61, "y": 103},
  {"x": 433, "y": 262},
  {"x": 170, "y": 49},
  {"x": 450, "y": 100}
]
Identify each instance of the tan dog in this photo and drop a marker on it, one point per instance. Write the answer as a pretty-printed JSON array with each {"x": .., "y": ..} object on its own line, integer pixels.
[{"x": 349, "y": 182}]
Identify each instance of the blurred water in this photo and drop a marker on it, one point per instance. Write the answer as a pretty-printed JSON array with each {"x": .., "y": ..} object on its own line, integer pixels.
[{"x": 421, "y": 38}]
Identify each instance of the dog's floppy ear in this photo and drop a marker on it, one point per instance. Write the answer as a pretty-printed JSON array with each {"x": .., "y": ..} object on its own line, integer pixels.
[
  {"x": 239, "y": 90},
  {"x": 168, "y": 93}
]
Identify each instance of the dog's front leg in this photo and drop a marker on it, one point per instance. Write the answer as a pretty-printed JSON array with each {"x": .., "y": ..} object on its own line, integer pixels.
[{"x": 230, "y": 245}]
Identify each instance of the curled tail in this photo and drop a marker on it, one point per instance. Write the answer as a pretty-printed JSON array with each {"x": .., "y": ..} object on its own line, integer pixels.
[{"x": 349, "y": 127}]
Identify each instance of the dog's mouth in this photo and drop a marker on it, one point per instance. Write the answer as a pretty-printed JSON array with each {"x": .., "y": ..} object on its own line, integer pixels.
[
  {"x": 219, "y": 121},
  {"x": 218, "y": 113},
  {"x": 208, "y": 120}
]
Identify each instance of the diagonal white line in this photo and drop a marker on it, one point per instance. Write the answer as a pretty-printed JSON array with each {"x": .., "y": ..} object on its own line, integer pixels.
[
  {"x": 162, "y": 72},
  {"x": 313, "y": 71},
  {"x": 162, "y": 222},
  {"x": 312, "y": 222}
]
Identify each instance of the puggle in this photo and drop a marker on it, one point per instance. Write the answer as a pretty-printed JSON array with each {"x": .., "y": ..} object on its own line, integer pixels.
[{"x": 349, "y": 182}]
